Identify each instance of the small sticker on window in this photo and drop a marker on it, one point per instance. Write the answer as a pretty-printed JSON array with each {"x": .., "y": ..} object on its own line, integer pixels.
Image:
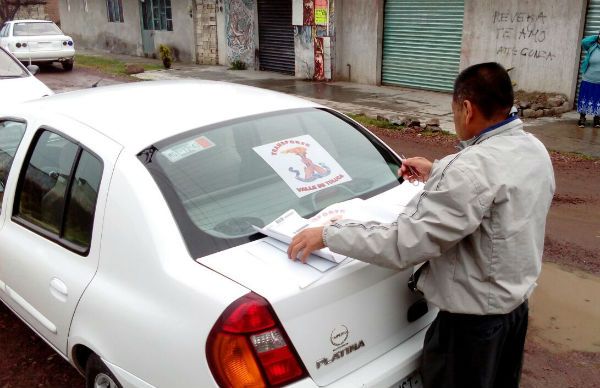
[
  {"x": 303, "y": 164},
  {"x": 188, "y": 148}
]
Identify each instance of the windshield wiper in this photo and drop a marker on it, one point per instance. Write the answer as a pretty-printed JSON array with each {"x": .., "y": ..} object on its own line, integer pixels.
[{"x": 10, "y": 76}]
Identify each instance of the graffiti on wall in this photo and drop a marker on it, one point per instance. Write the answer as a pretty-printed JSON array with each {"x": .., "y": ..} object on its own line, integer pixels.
[
  {"x": 319, "y": 59},
  {"x": 239, "y": 20},
  {"x": 522, "y": 34},
  {"x": 309, "y": 12},
  {"x": 321, "y": 12},
  {"x": 304, "y": 51},
  {"x": 313, "y": 39}
]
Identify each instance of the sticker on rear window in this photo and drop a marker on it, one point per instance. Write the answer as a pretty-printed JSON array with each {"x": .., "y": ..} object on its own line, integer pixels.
[
  {"x": 188, "y": 148},
  {"x": 303, "y": 164}
]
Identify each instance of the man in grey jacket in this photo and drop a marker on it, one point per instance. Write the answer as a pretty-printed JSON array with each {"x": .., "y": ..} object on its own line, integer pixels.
[{"x": 479, "y": 228}]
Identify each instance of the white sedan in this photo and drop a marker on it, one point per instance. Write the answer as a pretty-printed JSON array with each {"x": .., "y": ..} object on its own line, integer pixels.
[
  {"x": 127, "y": 239},
  {"x": 17, "y": 82},
  {"x": 38, "y": 41}
]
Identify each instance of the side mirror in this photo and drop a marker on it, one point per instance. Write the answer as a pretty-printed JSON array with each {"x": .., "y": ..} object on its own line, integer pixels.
[{"x": 33, "y": 69}]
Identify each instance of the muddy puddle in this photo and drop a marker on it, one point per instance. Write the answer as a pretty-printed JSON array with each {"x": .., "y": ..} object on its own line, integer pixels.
[{"x": 565, "y": 310}]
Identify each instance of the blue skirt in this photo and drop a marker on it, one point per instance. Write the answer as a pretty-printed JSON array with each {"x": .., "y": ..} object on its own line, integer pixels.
[{"x": 589, "y": 98}]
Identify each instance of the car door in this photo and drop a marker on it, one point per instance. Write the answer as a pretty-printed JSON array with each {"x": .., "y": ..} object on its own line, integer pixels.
[
  {"x": 4, "y": 34},
  {"x": 50, "y": 237}
]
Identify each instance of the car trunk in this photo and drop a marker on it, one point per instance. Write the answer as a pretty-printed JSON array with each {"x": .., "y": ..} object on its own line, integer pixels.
[
  {"x": 339, "y": 319},
  {"x": 44, "y": 43}
]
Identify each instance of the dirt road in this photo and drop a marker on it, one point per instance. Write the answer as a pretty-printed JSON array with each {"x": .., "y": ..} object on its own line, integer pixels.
[{"x": 563, "y": 345}]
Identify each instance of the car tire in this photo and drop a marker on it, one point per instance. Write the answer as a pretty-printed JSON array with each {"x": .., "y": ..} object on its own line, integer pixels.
[
  {"x": 97, "y": 374},
  {"x": 67, "y": 66}
]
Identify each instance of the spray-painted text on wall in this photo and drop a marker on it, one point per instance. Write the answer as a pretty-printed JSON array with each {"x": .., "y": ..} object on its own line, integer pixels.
[{"x": 522, "y": 34}]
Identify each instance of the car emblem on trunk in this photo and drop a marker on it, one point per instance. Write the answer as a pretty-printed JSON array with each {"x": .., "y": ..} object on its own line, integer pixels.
[
  {"x": 338, "y": 338},
  {"x": 339, "y": 335}
]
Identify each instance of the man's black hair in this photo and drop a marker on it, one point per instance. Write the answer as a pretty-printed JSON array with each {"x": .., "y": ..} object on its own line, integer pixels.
[{"x": 488, "y": 86}]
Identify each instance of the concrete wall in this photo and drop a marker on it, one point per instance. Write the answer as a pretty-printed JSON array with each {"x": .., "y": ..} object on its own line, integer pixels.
[
  {"x": 182, "y": 38},
  {"x": 359, "y": 40},
  {"x": 539, "y": 38},
  {"x": 91, "y": 28},
  {"x": 222, "y": 58}
]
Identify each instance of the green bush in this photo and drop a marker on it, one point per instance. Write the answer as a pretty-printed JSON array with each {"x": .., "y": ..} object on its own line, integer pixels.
[
  {"x": 238, "y": 65},
  {"x": 166, "y": 55}
]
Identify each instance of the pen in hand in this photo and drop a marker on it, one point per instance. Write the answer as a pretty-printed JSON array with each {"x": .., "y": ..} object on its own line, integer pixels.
[{"x": 412, "y": 170}]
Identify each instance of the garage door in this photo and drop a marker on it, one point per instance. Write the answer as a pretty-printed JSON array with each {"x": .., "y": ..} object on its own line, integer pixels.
[
  {"x": 422, "y": 42},
  {"x": 592, "y": 26},
  {"x": 276, "y": 36}
]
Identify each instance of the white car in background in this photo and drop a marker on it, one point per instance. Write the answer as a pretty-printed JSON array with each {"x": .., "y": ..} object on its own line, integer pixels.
[
  {"x": 127, "y": 241},
  {"x": 38, "y": 41},
  {"x": 17, "y": 82}
]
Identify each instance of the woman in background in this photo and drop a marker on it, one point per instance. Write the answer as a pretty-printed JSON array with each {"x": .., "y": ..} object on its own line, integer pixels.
[{"x": 589, "y": 91}]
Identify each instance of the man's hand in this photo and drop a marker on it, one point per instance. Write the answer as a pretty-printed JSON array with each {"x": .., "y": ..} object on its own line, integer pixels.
[
  {"x": 306, "y": 242},
  {"x": 415, "y": 169}
]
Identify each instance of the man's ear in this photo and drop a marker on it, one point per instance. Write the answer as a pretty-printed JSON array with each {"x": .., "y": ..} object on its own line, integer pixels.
[{"x": 469, "y": 111}]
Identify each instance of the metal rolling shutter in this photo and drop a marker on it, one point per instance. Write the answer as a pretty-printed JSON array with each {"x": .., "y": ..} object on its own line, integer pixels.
[
  {"x": 592, "y": 26},
  {"x": 276, "y": 36},
  {"x": 422, "y": 42}
]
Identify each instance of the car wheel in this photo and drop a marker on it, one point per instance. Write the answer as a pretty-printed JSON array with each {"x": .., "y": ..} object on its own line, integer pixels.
[
  {"x": 97, "y": 374},
  {"x": 68, "y": 66}
]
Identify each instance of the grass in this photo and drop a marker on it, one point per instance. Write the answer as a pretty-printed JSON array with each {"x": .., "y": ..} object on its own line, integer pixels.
[
  {"x": 109, "y": 66},
  {"x": 575, "y": 155},
  {"x": 368, "y": 121},
  {"x": 436, "y": 133}
]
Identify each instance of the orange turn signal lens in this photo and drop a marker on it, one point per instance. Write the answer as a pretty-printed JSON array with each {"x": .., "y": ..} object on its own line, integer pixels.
[{"x": 236, "y": 364}]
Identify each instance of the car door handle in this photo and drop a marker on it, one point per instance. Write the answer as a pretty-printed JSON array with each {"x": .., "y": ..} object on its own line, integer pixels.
[{"x": 58, "y": 289}]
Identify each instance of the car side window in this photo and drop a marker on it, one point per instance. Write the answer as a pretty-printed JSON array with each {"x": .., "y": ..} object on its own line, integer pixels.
[
  {"x": 58, "y": 190},
  {"x": 82, "y": 200},
  {"x": 11, "y": 133},
  {"x": 3, "y": 31}
]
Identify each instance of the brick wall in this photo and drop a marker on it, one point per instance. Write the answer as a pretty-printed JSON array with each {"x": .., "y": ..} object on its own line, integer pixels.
[
  {"x": 52, "y": 11},
  {"x": 49, "y": 11},
  {"x": 32, "y": 12},
  {"x": 206, "y": 32}
]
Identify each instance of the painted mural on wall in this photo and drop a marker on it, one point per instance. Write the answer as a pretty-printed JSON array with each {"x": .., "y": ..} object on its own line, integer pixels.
[
  {"x": 314, "y": 39},
  {"x": 239, "y": 19}
]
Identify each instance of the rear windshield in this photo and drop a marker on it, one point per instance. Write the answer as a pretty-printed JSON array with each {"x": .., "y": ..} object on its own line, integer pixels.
[
  {"x": 9, "y": 68},
  {"x": 221, "y": 180},
  {"x": 36, "y": 29}
]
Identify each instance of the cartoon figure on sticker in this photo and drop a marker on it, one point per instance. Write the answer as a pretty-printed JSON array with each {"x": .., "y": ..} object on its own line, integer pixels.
[{"x": 312, "y": 171}]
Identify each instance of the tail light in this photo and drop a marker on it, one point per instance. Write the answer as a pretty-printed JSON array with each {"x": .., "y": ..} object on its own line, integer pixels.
[{"x": 248, "y": 347}]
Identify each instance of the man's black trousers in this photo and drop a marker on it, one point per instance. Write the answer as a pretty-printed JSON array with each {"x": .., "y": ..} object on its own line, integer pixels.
[{"x": 470, "y": 351}]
